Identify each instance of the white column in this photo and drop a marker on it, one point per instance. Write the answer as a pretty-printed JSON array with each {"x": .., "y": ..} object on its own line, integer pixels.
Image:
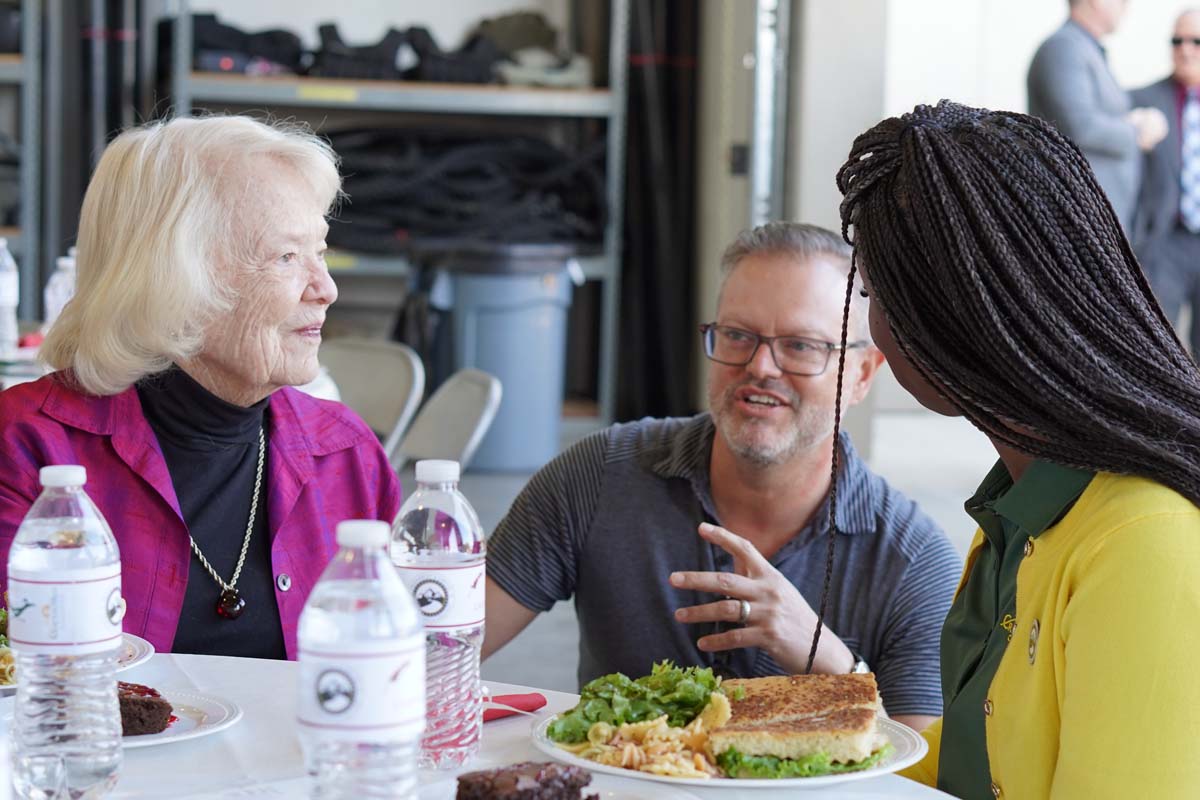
[{"x": 838, "y": 85}]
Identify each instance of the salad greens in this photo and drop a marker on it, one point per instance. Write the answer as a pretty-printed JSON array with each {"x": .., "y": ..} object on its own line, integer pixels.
[
  {"x": 680, "y": 693},
  {"x": 3, "y": 627},
  {"x": 737, "y": 765}
]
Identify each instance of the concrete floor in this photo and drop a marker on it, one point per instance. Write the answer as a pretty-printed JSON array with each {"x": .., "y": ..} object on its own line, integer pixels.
[{"x": 936, "y": 461}]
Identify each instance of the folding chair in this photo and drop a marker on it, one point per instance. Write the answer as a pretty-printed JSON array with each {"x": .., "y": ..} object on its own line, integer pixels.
[
  {"x": 381, "y": 381},
  {"x": 454, "y": 420}
]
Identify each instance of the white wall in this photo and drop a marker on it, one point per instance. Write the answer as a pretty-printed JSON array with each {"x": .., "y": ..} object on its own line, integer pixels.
[
  {"x": 978, "y": 51},
  {"x": 365, "y": 21}
]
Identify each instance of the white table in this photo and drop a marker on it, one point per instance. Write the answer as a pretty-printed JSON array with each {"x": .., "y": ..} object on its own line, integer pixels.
[{"x": 260, "y": 757}]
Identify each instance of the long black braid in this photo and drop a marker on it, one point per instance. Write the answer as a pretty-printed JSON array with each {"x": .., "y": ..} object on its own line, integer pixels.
[
  {"x": 837, "y": 451},
  {"x": 1007, "y": 282}
]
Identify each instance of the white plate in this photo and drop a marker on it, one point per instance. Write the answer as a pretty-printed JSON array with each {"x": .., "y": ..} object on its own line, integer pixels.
[
  {"x": 134, "y": 650},
  {"x": 910, "y": 748},
  {"x": 199, "y": 715}
]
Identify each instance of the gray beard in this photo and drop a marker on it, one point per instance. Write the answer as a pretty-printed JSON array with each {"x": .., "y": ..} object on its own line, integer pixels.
[{"x": 809, "y": 427}]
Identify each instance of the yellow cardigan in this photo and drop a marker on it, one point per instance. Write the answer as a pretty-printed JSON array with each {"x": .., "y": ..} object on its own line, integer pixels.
[{"x": 1098, "y": 693}]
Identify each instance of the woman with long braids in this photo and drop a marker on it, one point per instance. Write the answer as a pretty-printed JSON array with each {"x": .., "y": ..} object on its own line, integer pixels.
[{"x": 1003, "y": 290}]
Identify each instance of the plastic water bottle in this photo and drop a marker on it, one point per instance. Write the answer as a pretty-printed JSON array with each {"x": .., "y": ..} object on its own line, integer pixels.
[
  {"x": 64, "y": 626},
  {"x": 59, "y": 289},
  {"x": 362, "y": 673},
  {"x": 5, "y": 764},
  {"x": 10, "y": 295},
  {"x": 438, "y": 546}
]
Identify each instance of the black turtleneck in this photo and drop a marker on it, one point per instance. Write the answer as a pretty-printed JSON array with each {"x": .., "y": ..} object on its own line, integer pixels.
[{"x": 211, "y": 450}]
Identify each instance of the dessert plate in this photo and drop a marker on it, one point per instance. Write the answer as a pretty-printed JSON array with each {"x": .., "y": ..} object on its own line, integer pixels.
[
  {"x": 602, "y": 787},
  {"x": 197, "y": 715}
]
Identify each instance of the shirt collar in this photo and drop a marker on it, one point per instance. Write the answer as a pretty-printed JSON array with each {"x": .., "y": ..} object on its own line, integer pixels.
[
  {"x": 688, "y": 454},
  {"x": 302, "y": 424},
  {"x": 1035, "y": 502}
]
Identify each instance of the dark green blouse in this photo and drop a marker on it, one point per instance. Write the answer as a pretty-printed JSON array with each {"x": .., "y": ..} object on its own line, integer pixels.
[{"x": 983, "y": 615}]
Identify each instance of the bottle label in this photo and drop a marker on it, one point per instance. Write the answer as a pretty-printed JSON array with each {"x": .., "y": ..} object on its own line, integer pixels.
[
  {"x": 9, "y": 289},
  {"x": 448, "y": 597},
  {"x": 364, "y": 691},
  {"x": 65, "y": 612}
]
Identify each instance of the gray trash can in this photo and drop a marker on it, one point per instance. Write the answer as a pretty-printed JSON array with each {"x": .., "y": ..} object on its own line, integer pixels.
[{"x": 510, "y": 319}]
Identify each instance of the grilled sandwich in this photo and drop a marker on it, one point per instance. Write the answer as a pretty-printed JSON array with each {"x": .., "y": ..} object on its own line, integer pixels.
[{"x": 799, "y": 726}]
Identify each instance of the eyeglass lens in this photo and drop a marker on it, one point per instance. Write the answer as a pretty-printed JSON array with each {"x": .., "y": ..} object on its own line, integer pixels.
[{"x": 792, "y": 354}]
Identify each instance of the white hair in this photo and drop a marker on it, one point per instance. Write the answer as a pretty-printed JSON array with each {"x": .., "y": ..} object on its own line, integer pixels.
[{"x": 158, "y": 220}]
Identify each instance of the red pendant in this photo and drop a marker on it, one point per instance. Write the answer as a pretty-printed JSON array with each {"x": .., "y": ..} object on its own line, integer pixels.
[{"x": 231, "y": 605}]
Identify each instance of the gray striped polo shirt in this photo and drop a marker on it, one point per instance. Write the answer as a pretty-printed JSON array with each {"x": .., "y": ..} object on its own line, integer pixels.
[{"x": 609, "y": 519}]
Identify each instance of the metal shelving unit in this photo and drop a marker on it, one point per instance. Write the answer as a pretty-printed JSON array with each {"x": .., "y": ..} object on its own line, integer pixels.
[
  {"x": 190, "y": 89},
  {"x": 23, "y": 72}
]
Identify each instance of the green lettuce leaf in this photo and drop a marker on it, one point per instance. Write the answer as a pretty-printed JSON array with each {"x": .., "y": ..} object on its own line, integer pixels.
[
  {"x": 680, "y": 693},
  {"x": 736, "y": 765}
]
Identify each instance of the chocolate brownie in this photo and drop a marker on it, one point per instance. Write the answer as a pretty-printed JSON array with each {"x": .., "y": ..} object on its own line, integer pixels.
[
  {"x": 143, "y": 710},
  {"x": 527, "y": 781}
]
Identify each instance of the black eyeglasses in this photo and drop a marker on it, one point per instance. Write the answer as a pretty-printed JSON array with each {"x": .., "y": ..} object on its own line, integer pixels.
[
  {"x": 794, "y": 355},
  {"x": 1177, "y": 41}
]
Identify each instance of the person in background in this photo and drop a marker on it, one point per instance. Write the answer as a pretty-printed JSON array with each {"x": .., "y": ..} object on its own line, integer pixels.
[
  {"x": 613, "y": 521},
  {"x": 1167, "y": 227},
  {"x": 1002, "y": 289},
  {"x": 202, "y": 292},
  {"x": 1070, "y": 84}
]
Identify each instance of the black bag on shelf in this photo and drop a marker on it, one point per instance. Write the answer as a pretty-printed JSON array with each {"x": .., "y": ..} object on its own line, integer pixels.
[
  {"x": 412, "y": 190},
  {"x": 379, "y": 61},
  {"x": 218, "y": 47},
  {"x": 474, "y": 62},
  {"x": 276, "y": 46}
]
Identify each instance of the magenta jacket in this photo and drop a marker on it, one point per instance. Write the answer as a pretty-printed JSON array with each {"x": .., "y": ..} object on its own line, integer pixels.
[{"x": 323, "y": 466}]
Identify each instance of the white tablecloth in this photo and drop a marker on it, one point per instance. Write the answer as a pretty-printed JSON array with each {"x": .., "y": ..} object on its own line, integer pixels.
[{"x": 260, "y": 757}]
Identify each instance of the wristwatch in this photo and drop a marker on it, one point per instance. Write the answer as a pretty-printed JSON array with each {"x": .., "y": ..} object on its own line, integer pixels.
[{"x": 860, "y": 665}]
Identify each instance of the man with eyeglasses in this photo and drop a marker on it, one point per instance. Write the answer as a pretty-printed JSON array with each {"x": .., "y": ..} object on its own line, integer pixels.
[
  {"x": 1070, "y": 84},
  {"x": 1167, "y": 228},
  {"x": 638, "y": 522}
]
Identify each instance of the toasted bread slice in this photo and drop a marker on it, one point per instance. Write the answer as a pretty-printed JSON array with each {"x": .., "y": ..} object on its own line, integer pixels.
[
  {"x": 844, "y": 735},
  {"x": 790, "y": 697}
]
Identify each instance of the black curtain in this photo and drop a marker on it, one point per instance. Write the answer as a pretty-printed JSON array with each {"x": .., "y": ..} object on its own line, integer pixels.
[{"x": 658, "y": 331}]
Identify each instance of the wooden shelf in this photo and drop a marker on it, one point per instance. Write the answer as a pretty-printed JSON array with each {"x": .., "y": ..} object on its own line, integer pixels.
[
  {"x": 12, "y": 68},
  {"x": 437, "y": 98}
]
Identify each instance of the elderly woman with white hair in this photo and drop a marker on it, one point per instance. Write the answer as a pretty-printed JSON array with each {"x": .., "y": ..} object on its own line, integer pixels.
[{"x": 202, "y": 291}]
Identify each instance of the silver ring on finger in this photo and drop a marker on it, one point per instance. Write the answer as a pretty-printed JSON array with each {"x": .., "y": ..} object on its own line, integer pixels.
[{"x": 743, "y": 611}]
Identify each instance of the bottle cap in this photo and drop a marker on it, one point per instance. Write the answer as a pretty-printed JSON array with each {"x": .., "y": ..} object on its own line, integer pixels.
[
  {"x": 437, "y": 471},
  {"x": 63, "y": 475},
  {"x": 363, "y": 533},
  {"x": 71, "y": 251}
]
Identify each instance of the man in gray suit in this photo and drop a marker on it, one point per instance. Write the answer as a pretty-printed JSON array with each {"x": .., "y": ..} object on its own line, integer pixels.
[
  {"x": 1167, "y": 225},
  {"x": 1071, "y": 86}
]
